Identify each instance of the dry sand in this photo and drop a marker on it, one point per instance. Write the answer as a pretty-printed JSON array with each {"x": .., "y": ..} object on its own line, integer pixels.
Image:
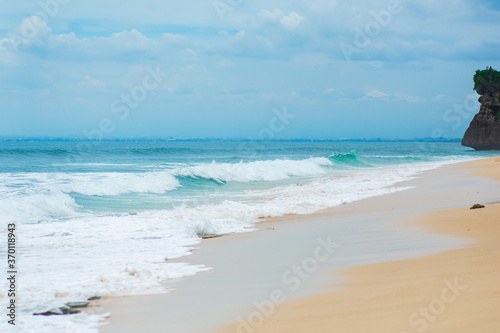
[{"x": 455, "y": 291}]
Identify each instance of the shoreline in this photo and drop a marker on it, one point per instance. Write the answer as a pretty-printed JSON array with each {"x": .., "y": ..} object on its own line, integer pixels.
[
  {"x": 396, "y": 206},
  {"x": 452, "y": 291}
]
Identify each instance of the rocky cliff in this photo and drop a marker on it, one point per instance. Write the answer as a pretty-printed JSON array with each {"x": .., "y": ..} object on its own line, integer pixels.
[{"x": 484, "y": 130}]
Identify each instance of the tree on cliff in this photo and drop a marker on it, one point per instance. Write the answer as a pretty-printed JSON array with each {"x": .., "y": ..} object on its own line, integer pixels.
[
  {"x": 484, "y": 130},
  {"x": 487, "y": 81}
]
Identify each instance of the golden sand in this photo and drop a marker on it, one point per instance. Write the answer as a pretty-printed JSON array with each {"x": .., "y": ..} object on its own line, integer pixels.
[{"x": 455, "y": 291}]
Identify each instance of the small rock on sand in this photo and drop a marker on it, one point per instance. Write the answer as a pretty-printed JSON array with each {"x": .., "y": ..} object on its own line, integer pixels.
[
  {"x": 75, "y": 305},
  {"x": 208, "y": 236}
]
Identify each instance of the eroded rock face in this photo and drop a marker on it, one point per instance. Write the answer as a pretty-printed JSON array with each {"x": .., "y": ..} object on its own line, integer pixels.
[{"x": 484, "y": 130}]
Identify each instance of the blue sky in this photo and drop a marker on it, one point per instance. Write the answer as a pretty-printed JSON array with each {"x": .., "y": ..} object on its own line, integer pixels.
[{"x": 340, "y": 69}]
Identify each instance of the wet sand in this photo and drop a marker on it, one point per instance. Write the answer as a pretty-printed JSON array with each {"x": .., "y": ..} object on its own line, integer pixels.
[
  {"x": 248, "y": 268},
  {"x": 456, "y": 291}
]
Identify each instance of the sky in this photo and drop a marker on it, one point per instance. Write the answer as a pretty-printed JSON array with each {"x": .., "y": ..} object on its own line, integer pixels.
[{"x": 320, "y": 69}]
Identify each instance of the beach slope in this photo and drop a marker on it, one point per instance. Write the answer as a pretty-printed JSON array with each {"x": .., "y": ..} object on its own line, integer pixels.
[
  {"x": 455, "y": 291},
  {"x": 417, "y": 250}
]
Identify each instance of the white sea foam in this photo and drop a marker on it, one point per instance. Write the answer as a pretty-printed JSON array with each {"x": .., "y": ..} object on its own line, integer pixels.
[
  {"x": 110, "y": 184},
  {"x": 35, "y": 208},
  {"x": 94, "y": 183},
  {"x": 73, "y": 256},
  {"x": 257, "y": 171}
]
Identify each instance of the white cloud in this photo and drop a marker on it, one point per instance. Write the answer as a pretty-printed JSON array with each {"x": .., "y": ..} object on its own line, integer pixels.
[
  {"x": 192, "y": 68},
  {"x": 31, "y": 31},
  {"x": 33, "y": 28},
  {"x": 189, "y": 54},
  {"x": 172, "y": 38},
  {"x": 223, "y": 33},
  {"x": 376, "y": 94},
  {"x": 265, "y": 41},
  {"x": 240, "y": 34},
  {"x": 397, "y": 96},
  {"x": 422, "y": 49},
  {"x": 6, "y": 55},
  {"x": 274, "y": 15},
  {"x": 90, "y": 83},
  {"x": 408, "y": 98},
  {"x": 242, "y": 43},
  {"x": 224, "y": 63},
  {"x": 291, "y": 21},
  {"x": 35, "y": 38},
  {"x": 270, "y": 97}
]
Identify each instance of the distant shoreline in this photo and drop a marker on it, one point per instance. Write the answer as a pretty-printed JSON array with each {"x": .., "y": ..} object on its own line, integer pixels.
[{"x": 58, "y": 139}]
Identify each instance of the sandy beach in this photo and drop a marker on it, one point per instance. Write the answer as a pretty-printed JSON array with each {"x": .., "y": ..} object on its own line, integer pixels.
[
  {"x": 456, "y": 291},
  {"x": 413, "y": 261},
  {"x": 233, "y": 166}
]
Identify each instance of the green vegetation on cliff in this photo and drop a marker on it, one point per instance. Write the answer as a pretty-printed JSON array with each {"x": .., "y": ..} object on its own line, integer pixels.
[
  {"x": 484, "y": 129},
  {"x": 487, "y": 81}
]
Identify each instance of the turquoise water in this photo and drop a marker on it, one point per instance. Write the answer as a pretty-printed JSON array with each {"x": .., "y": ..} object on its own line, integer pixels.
[
  {"x": 101, "y": 218},
  {"x": 215, "y": 168}
]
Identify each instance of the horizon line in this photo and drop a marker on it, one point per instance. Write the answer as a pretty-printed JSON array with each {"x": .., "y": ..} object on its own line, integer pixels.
[{"x": 171, "y": 139}]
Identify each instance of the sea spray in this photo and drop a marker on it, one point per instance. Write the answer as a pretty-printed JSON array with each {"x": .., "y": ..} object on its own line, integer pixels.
[{"x": 111, "y": 223}]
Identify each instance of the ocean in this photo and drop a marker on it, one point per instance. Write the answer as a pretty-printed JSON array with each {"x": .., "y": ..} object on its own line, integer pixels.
[{"x": 104, "y": 218}]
